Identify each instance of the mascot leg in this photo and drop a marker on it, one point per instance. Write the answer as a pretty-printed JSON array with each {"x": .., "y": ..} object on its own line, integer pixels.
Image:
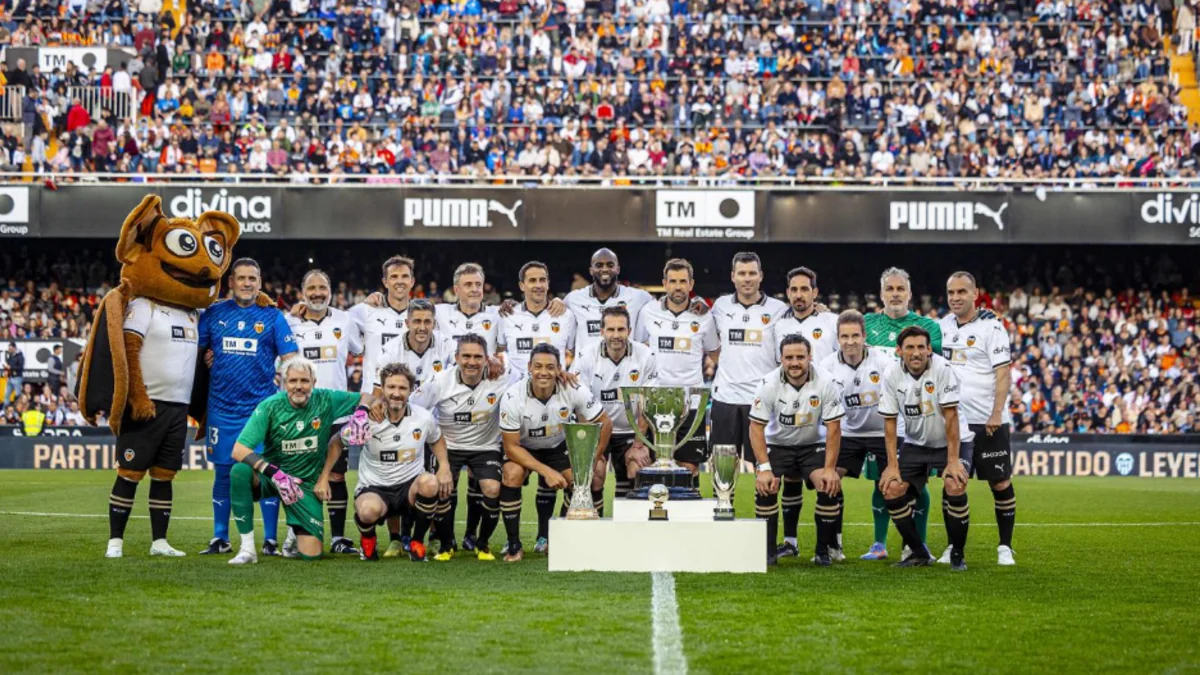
[{"x": 120, "y": 505}]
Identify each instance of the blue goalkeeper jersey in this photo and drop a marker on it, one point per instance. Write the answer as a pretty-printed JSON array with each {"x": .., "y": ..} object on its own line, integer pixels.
[{"x": 245, "y": 343}]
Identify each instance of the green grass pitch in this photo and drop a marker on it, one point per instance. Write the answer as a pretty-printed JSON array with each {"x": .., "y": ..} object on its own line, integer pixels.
[{"x": 1106, "y": 581}]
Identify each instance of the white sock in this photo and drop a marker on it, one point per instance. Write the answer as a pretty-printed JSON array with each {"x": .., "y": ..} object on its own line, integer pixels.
[
  {"x": 159, "y": 542},
  {"x": 792, "y": 541},
  {"x": 839, "y": 540},
  {"x": 248, "y": 541}
]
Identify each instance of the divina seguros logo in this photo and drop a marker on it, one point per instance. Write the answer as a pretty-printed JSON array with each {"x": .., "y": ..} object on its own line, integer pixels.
[
  {"x": 1168, "y": 208},
  {"x": 253, "y": 210}
]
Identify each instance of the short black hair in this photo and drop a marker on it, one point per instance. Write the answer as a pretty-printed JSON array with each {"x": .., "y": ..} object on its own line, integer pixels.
[
  {"x": 420, "y": 305},
  {"x": 913, "y": 331},
  {"x": 471, "y": 339},
  {"x": 546, "y": 348},
  {"x": 676, "y": 264},
  {"x": 802, "y": 272},
  {"x": 795, "y": 339},
  {"x": 402, "y": 261},
  {"x": 746, "y": 257},
  {"x": 532, "y": 264},
  {"x": 615, "y": 310}
]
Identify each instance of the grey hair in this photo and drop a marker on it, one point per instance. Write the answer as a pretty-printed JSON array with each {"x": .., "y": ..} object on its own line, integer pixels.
[
  {"x": 301, "y": 363},
  {"x": 310, "y": 273},
  {"x": 894, "y": 272},
  {"x": 469, "y": 268}
]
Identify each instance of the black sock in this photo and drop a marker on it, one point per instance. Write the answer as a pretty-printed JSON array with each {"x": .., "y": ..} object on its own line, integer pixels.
[
  {"x": 826, "y": 515},
  {"x": 445, "y": 520},
  {"x": 424, "y": 511},
  {"x": 545, "y": 508},
  {"x": 491, "y": 518},
  {"x": 598, "y": 501},
  {"x": 957, "y": 515},
  {"x": 364, "y": 529},
  {"x": 841, "y": 498},
  {"x": 161, "y": 494},
  {"x": 338, "y": 499},
  {"x": 622, "y": 488},
  {"x": 394, "y": 535},
  {"x": 474, "y": 507},
  {"x": 406, "y": 527},
  {"x": 510, "y": 510},
  {"x": 792, "y": 502},
  {"x": 1006, "y": 513},
  {"x": 767, "y": 507},
  {"x": 901, "y": 511},
  {"x": 120, "y": 504},
  {"x": 568, "y": 495},
  {"x": 696, "y": 481}
]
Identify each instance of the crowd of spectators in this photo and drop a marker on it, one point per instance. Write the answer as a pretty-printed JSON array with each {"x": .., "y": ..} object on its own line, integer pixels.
[{"x": 565, "y": 90}]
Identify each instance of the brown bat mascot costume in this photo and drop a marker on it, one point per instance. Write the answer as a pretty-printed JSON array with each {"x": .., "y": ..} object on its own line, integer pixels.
[{"x": 141, "y": 360}]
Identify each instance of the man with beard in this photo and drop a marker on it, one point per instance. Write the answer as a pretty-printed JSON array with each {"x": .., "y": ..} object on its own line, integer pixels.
[
  {"x": 588, "y": 303},
  {"x": 530, "y": 323},
  {"x": 327, "y": 336},
  {"x": 818, "y": 327}
]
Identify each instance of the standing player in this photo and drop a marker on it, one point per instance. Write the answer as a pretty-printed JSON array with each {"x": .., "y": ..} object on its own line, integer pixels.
[
  {"x": 819, "y": 328},
  {"x": 978, "y": 350},
  {"x": 245, "y": 341},
  {"x": 327, "y": 336},
  {"x": 393, "y": 474},
  {"x": 681, "y": 341},
  {"x": 531, "y": 419},
  {"x": 293, "y": 429},
  {"x": 530, "y": 324},
  {"x": 466, "y": 406},
  {"x": 588, "y": 303},
  {"x": 746, "y": 325},
  {"x": 790, "y": 406},
  {"x": 604, "y": 368},
  {"x": 883, "y": 329},
  {"x": 923, "y": 388},
  {"x": 857, "y": 370}
]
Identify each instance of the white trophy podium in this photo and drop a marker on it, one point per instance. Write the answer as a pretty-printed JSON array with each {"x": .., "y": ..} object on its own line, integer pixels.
[{"x": 691, "y": 541}]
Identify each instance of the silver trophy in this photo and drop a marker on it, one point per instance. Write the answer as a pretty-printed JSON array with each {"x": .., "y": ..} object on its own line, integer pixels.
[
  {"x": 583, "y": 440},
  {"x": 724, "y": 464},
  {"x": 665, "y": 410}
]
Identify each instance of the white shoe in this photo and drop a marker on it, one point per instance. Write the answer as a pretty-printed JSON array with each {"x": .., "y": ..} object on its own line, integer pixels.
[
  {"x": 290, "y": 548},
  {"x": 244, "y": 557},
  {"x": 1004, "y": 556},
  {"x": 161, "y": 547},
  {"x": 945, "y": 559},
  {"x": 837, "y": 555},
  {"x": 905, "y": 553},
  {"x": 116, "y": 548}
]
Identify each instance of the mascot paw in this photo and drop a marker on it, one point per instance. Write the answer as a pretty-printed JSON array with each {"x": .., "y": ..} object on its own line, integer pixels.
[
  {"x": 143, "y": 410},
  {"x": 264, "y": 300}
]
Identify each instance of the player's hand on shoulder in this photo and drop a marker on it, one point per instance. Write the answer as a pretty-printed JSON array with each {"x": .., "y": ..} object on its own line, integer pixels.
[
  {"x": 264, "y": 300},
  {"x": 820, "y": 307},
  {"x": 495, "y": 367},
  {"x": 557, "y": 307},
  {"x": 507, "y": 307},
  {"x": 569, "y": 379},
  {"x": 375, "y": 299},
  {"x": 699, "y": 307},
  {"x": 298, "y": 309},
  {"x": 377, "y": 410}
]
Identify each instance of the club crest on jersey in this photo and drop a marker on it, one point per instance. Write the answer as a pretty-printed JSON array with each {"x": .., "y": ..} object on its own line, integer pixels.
[
  {"x": 491, "y": 399},
  {"x": 695, "y": 326},
  {"x": 416, "y": 434},
  {"x": 554, "y": 327},
  {"x": 674, "y": 325},
  {"x": 564, "y": 413},
  {"x": 437, "y": 366},
  {"x": 487, "y": 324},
  {"x": 929, "y": 387},
  {"x": 970, "y": 340},
  {"x": 817, "y": 333},
  {"x": 766, "y": 319},
  {"x": 874, "y": 377},
  {"x": 634, "y": 375},
  {"x": 814, "y": 401},
  {"x": 259, "y": 327},
  {"x": 316, "y": 424},
  {"x": 299, "y": 425},
  {"x": 337, "y": 333}
]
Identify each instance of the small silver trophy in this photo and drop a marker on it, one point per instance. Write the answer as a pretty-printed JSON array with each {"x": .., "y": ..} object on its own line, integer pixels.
[
  {"x": 659, "y": 494},
  {"x": 724, "y": 472},
  {"x": 582, "y": 442},
  {"x": 666, "y": 410}
]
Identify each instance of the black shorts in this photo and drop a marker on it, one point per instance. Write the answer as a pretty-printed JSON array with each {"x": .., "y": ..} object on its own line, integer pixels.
[
  {"x": 796, "y": 461},
  {"x": 484, "y": 464},
  {"x": 395, "y": 498},
  {"x": 617, "y": 447},
  {"x": 342, "y": 464},
  {"x": 855, "y": 451},
  {"x": 731, "y": 426},
  {"x": 157, "y": 442},
  {"x": 993, "y": 454},
  {"x": 695, "y": 448},
  {"x": 917, "y": 462}
]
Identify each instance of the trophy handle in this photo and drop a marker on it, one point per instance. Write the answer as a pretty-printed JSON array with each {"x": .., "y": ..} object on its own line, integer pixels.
[
  {"x": 633, "y": 414},
  {"x": 701, "y": 413}
]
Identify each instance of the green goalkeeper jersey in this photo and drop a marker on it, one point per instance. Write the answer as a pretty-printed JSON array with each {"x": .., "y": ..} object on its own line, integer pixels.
[
  {"x": 882, "y": 331},
  {"x": 296, "y": 439}
]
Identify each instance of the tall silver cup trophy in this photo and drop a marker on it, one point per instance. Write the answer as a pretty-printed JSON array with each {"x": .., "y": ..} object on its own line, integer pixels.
[
  {"x": 665, "y": 410},
  {"x": 724, "y": 464},
  {"x": 582, "y": 442}
]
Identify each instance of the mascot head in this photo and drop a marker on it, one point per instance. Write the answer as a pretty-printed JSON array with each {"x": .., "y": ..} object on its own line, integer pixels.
[{"x": 176, "y": 260}]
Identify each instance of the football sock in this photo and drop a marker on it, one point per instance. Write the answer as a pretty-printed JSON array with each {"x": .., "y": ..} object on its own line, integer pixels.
[
  {"x": 545, "y": 508},
  {"x": 792, "y": 501},
  {"x": 394, "y": 524},
  {"x": 406, "y": 527},
  {"x": 120, "y": 505},
  {"x": 767, "y": 507},
  {"x": 338, "y": 496},
  {"x": 490, "y": 506},
  {"x": 161, "y": 494},
  {"x": 1006, "y": 513},
  {"x": 901, "y": 511},
  {"x": 424, "y": 511},
  {"x": 247, "y": 541},
  {"x": 622, "y": 488},
  {"x": 568, "y": 495},
  {"x": 241, "y": 483},
  {"x": 474, "y": 506},
  {"x": 879, "y": 513},
  {"x": 367, "y": 535},
  {"x": 921, "y": 513},
  {"x": 269, "y": 506},
  {"x": 841, "y": 515},
  {"x": 445, "y": 526},
  {"x": 957, "y": 514},
  {"x": 221, "y": 503},
  {"x": 510, "y": 510},
  {"x": 598, "y": 501},
  {"x": 826, "y": 515}
]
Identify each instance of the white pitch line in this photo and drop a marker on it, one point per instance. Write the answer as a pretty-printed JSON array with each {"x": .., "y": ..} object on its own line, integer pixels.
[{"x": 668, "y": 636}]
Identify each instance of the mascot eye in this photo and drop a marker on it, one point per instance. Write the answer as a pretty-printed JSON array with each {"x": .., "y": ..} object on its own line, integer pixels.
[
  {"x": 182, "y": 243},
  {"x": 215, "y": 250}
]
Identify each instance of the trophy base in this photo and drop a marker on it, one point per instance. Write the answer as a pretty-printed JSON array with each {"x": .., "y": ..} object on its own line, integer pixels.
[
  {"x": 582, "y": 514},
  {"x": 679, "y": 481},
  {"x": 658, "y": 514},
  {"x": 723, "y": 514}
]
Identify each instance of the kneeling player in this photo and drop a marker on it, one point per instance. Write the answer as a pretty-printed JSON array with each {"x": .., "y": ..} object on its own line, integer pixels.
[
  {"x": 293, "y": 428},
  {"x": 790, "y": 405},
  {"x": 392, "y": 480},
  {"x": 531, "y": 419},
  {"x": 924, "y": 388}
]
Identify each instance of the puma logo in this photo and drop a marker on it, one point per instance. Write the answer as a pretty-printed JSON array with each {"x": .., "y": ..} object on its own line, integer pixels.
[
  {"x": 511, "y": 214},
  {"x": 983, "y": 210}
]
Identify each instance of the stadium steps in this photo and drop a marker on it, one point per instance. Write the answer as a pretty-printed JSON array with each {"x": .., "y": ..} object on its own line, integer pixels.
[{"x": 1183, "y": 73}]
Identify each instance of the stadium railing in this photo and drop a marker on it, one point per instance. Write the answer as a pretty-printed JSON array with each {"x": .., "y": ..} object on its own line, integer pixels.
[
  {"x": 11, "y": 99},
  {"x": 97, "y": 100}
]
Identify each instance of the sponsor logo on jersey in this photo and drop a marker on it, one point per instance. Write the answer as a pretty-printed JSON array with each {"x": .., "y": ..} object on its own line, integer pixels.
[
  {"x": 608, "y": 396},
  {"x": 299, "y": 425},
  {"x": 236, "y": 345},
  {"x": 183, "y": 333},
  {"x": 312, "y": 353},
  {"x": 540, "y": 432},
  {"x": 787, "y": 420},
  {"x": 912, "y": 410},
  {"x": 746, "y": 337},
  {"x": 593, "y": 327},
  {"x": 241, "y": 325},
  {"x": 306, "y": 444},
  {"x": 388, "y": 455},
  {"x": 464, "y": 417},
  {"x": 524, "y": 344},
  {"x": 929, "y": 387}
]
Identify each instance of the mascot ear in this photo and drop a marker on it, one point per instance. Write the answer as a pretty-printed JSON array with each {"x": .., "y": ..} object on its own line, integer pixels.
[
  {"x": 221, "y": 222},
  {"x": 138, "y": 229}
]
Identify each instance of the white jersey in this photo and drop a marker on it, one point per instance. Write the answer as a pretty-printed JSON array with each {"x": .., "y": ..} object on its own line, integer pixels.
[
  {"x": 468, "y": 416},
  {"x": 453, "y": 323},
  {"x": 748, "y": 348},
  {"x": 605, "y": 377},
  {"x": 587, "y": 309},
  {"x": 522, "y": 329},
  {"x": 679, "y": 342},
  {"x": 437, "y": 357},
  {"x": 395, "y": 454},
  {"x": 920, "y": 401},
  {"x": 795, "y": 416},
  {"x": 540, "y": 423},
  {"x": 379, "y": 326},
  {"x": 328, "y": 343},
  {"x": 860, "y": 391},
  {"x": 975, "y": 350},
  {"x": 169, "y": 345},
  {"x": 819, "y": 328}
]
